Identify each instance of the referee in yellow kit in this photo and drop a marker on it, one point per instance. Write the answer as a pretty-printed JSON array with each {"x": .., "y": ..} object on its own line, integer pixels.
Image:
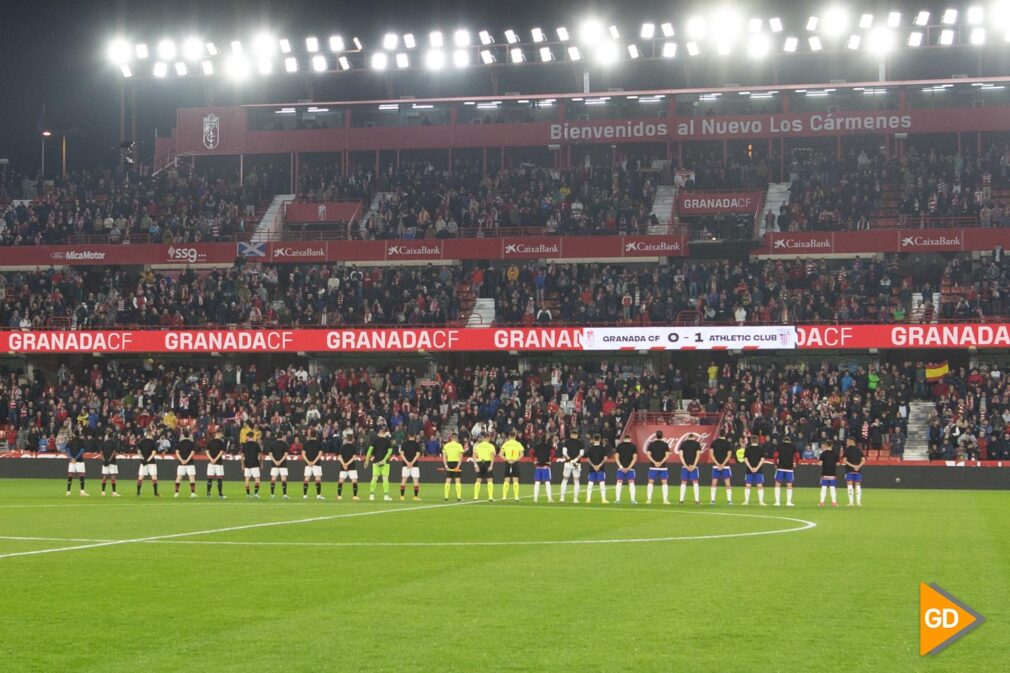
[
  {"x": 484, "y": 453},
  {"x": 512, "y": 450},
  {"x": 452, "y": 460}
]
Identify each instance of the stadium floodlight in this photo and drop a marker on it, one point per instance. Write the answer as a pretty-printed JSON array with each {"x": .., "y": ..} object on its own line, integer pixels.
[
  {"x": 865, "y": 21},
  {"x": 574, "y": 53},
  {"x": 290, "y": 64},
  {"x": 949, "y": 17},
  {"x": 775, "y": 23},
  {"x": 264, "y": 44},
  {"x": 607, "y": 52},
  {"x": 180, "y": 69},
  {"x": 485, "y": 38},
  {"x": 236, "y": 47},
  {"x": 812, "y": 23},
  {"x": 516, "y": 55},
  {"x": 166, "y": 50},
  {"x": 538, "y": 35},
  {"x": 815, "y": 43},
  {"x": 461, "y": 38},
  {"x": 614, "y": 33},
  {"x": 285, "y": 44},
  {"x": 336, "y": 43},
  {"x": 669, "y": 50},
  {"x": 894, "y": 19},
  {"x": 409, "y": 41},
  {"x": 723, "y": 47},
  {"x": 692, "y": 49},
  {"x": 312, "y": 44},
  {"x": 390, "y": 41},
  {"x": 211, "y": 49},
  {"x": 160, "y": 69},
  {"x": 977, "y": 37},
  {"x": 546, "y": 55},
  {"x": 975, "y": 15},
  {"x": 436, "y": 39},
  {"x": 563, "y": 34},
  {"x": 192, "y": 49},
  {"x": 319, "y": 63},
  {"x": 591, "y": 31},
  {"x": 119, "y": 51},
  {"x": 125, "y": 69},
  {"x": 758, "y": 46},
  {"x": 402, "y": 61},
  {"x": 880, "y": 41},
  {"x": 357, "y": 44},
  {"x": 379, "y": 60},
  {"x": 142, "y": 51},
  {"x": 207, "y": 67},
  {"x": 461, "y": 58},
  {"x": 486, "y": 56},
  {"x": 754, "y": 25},
  {"x": 697, "y": 27},
  {"x": 915, "y": 38},
  {"x": 853, "y": 42},
  {"x": 344, "y": 62},
  {"x": 790, "y": 44},
  {"x": 648, "y": 31},
  {"x": 922, "y": 18},
  {"x": 836, "y": 21},
  {"x": 633, "y": 51},
  {"x": 264, "y": 65},
  {"x": 946, "y": 37},
  {"x": 434, "y": 59},
  {"x": 511, "y": 37}
]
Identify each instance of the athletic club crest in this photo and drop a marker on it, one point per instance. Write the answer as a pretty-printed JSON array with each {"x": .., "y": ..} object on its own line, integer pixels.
[{"x": 211, "y": 131}]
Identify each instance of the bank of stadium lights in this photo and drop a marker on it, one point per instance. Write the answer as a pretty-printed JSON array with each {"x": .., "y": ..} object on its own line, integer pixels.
[
  {"x": 434, "y": 59},
  {"x": 402, "y": 60},
  {"x": 949, "y": 17},
  {"x": 486, "y": 38},
  {"x": 669, "y": 50},
  {"x": 319, "y": 63},
  {"x": 409, "y": 41},
  {"x": 436, "y": 40}
]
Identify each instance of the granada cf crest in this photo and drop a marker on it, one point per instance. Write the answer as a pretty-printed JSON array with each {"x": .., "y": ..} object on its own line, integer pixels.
[{"x": 211, "y": 131}]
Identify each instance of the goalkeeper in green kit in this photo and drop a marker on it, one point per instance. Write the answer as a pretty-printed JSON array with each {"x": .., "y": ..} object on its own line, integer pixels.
[{"x": 379, "y": 453}]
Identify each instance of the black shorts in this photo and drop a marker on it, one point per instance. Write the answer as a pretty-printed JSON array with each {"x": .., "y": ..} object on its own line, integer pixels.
[
  {"x": 452, "y": 469},
  {"x": 484, "y": 470},
  {"x": 512, "y": 470}
]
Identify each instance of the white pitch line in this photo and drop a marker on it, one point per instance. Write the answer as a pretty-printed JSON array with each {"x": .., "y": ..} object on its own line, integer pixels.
[
  {"x": 268, "y": 524},
  {"x": 23, "y": 538}
]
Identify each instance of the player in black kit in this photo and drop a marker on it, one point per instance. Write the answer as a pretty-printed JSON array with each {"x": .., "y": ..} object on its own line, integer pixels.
[
  {"x": 829, "y": 475},
  {"x": 597, "y": 456},
  {"x": 184, "y": 451},
  {"x": 147, "y": 448},
  {"x": 854, "y": 460},
  {"x": 543, "y": 453},
  {"x": 753, "y": 460},
  {"x": 722, "y": 451},
  {"x": 278, "y": 450},
  {"x": 785, "y": 469},
  {"x": 410, "y": 452},
  {"x": 110, "y": 469},
  {"x": 312, "y": 454},
  {"x": 626, "y": 454},
  {"x": 690, "y": 454},
  {"x": 251, "y": 452},
  {"x": 348, "y": 458},
  {"x": 215, "y": 463}
]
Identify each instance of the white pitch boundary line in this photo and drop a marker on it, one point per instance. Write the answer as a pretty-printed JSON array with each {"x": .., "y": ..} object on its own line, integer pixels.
[{"x": 229, "y": 529}]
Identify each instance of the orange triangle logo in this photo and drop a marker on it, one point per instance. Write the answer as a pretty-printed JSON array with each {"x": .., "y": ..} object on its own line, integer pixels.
[{"x": 943, "y": 619}]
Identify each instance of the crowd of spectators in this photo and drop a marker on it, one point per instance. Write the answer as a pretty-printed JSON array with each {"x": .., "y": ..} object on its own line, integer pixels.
[{"x": 971, "y": 419}]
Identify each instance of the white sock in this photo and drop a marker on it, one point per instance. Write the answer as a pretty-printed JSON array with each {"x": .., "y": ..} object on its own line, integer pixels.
[
  {"x": 620, "y": 487},
  {"x": 564, "y": 488},
  {"x": 666, "y": 493},
  {"x": 714, "y": 490},
  {"x": 589, "y": 492},
  {"x": 746, "y": 495},
  {"x": 834, "y": 495},
  {"x": 549, "y": 495},
  {"x": 648, "y": 493},
  {"x": 778, "y": 494},
  {"x": 683, "y": 490},
  {"x": 603, "y": 492},
  {"x": 824, "y": 492},
  {"x": 761, "y": 495},
  {"x": 789, "y": 496},
  {"x": 729, "y": 494},
  {"x": 576, "y": 499},
  {"x": 848, "y": 489},
  {"x": 859, "y": 494},
  {"x": 536, "y": 491},
  {"x": 697, "y": 491},
  {"x": 632, "y": 487}
]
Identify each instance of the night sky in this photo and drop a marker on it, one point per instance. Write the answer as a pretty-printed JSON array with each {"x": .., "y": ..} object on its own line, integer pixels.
[{"x": 55, "y": 53}]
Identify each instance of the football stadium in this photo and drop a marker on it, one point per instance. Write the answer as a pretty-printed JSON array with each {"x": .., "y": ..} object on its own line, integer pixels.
[{"x": 467, "y": 337}]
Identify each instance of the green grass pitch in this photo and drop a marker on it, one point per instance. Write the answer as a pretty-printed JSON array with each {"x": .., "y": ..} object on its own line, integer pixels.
[{"x": 139, "y": 584}]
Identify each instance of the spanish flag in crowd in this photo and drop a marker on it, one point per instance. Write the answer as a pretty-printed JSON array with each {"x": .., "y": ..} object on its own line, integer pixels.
[{"x": 936, "y": 371}]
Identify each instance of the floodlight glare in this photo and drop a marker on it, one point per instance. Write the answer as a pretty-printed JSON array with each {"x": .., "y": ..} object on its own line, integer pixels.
[
  {"x": 237, "y": 67},
  {"x": 591, "y": 31},
  {"x": 485, "y": 38},
  {"x": 166, "y": 50},
  {"x": 614, "y": 33},
  {"x": 812, "y": 23},
  {"x": 160, "y": 69},
  {"x": 754, "y": 25},
  {"x": 922, "y": 18},
  {"x": 119, "y": 51},
  {"x": 775, "y": 23},
  {"x": 648, "y": 31},
  {"x": 669, "y": 50},
  {"x": 125, "y": 69},
  {"x": 692, "y": 49},
  {"x": 264, "y": 65},
  {"x": 486, "y": 56},
  {"x": 461, "y": 38},
  {"x": 379, "y": 61},
  {"x": 563, "y": 34},
  {"x": 409, "y": 41},
  {"x": 606, "y": 52},
  {"x": 977, "y": 36},
  {"x": 434, "y": 59},
  {"x": 211, "y": 49},
  {"x": 264, "y": 44},
  {"x": 975, "y": 15},
  {"x": 236, "y": 47},
  {"x": 180, "y": 69},
  {"x": 758, "y": 46},
  {"x": 574, "y": 54},
  {"x": 723, "y": 47},
  {"x": 790, "y": 44},
  {"x": 546, "y": 54},
  {"x": 853, "y": 42},
  {"x": 815, "y": 43},
  {"x": 511, "y": 37},
  {"x": 208, "y": 68},
  {"x": 291, "y": 64},
  {"x": 865, "y": 21},
  {"x": 436, "y": 39},
  {"x": 402, "y": 61},
  {"x": 357, "y": 44},
  {"x": 285, "y": 44},
  {"x": 915, "y": 38},
  {"x": 894, "y": 19},
  {"x": 835, "y": 21},
  {"x": 336, "y": 43},
  {"x": 345, "y": 63},
  {"x": 319, "y": 63},
  {"x": 516, "y": 55},
  {"x": 312, "y": 44},
  {"x": 461, "y": 58},
  {"x": 633, "y": 51},
  {"x": 192, "y": 49},
  {"x": 697, "y": 27},
  {"x": 946, "y": 37},
  {"x": 667, "y": 29},
  {"x": 880, "y": 41},
  {"x": 538, "y": 35},
  {"x": 390, "y": 41},
  {"x": 949, "y": 17},
  {"x": 142, "y": 51}
]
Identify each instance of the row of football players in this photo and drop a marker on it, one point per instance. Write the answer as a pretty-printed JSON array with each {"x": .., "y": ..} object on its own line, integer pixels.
[{"x": 260, "y": 446}]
